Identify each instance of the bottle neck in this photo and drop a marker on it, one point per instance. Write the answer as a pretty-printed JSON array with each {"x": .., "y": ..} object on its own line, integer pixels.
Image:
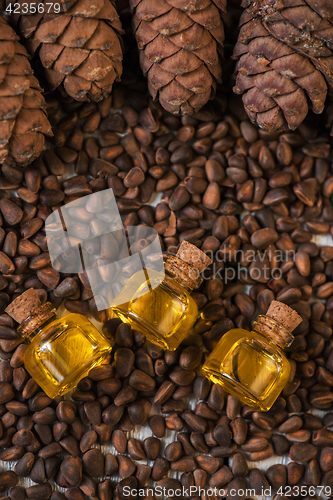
[
  {"x": 189, "y": 277},
  {"x": 31, "y": 325},
  {"x": 273, "y": 330}
]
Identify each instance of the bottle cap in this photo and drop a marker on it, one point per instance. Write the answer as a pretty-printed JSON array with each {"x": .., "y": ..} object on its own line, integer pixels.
[
  {"x": 22, "y": 307},
  {"x": 188, "y": 264},
  {"x": 283, "y": 314},
  {"x": 278, "y": 323},
  {"x": 193, "y": 256}
]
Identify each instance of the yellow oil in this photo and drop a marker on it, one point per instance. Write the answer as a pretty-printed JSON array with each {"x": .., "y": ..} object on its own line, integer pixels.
[
  {"x": 248, "y": 366},
  {"x": 62, "y": 351},
  {"x": 164, "y": 311}
]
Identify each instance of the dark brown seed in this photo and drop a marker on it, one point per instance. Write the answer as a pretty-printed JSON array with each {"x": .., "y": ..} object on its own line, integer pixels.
[
  {"x": 119, "y": 441},
  {"x": 6, "y": 392},
  {"x": 222, "y": 435},
  {"x": 72, "y": 471},
  {"x": 179, "y": 198},
  {"x": 264, "y": 237},
  {"x": 126, "y": 395},
  {"x": 208, "y": 464},
  {"x": 182, "y": 377},
  {"x": 216, "y": 398},
  {"x": 39, "y": 491},
  {"x": 239, "y": 429},
  {"x": 124, "y": 361},
  {"x": 221, "y": 477},
  {"x": 6, "y": 264},
  {"x": 111, "y": 464},
  {"x": 88, "y": 439},
  {"x": 195, "y": 422},
  {"x": 190, "y": 358},
  {"x": 239, "y": 465},
  {"x": 135, "y": 449},
  {"x": 277, "y": 476},
  {"x": 24, "y": 465},
  {"x": 10, "y": 211},
  {"x": 93, "y": 462},
  {"x": 112, "y": 414},
  {"x": 184, "y": 464},
  {"x": 160, "y": 469},
  {"x": 257, "y": 481},
  {"x": 302, "y": 452},
  {"x": 65, "y": 411},
  {"x": 157, "y": 425},
  {"x": 201, "y": 387},
  {"x": 8, "y": 479},
  {"x": 326, "y": 459},
  {"x": 141, "y": 381},
  {"x": 126, "y": 466}
]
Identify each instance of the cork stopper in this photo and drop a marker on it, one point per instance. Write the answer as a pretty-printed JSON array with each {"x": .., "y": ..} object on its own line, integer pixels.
[
  {"x": 22, "y": 307},
  {"x": 278, "y": 323},
  {"x": 193, "y": 256},
  {"x": 188, "y": 264},
  {"x": 283, "y": 314}
]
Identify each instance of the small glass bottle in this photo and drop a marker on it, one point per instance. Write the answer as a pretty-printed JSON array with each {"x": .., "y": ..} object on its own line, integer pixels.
[
  {"x": 165, "y": 311},
  {"x": 252, "y": 365},
  {"x": 61, "y": 351}
]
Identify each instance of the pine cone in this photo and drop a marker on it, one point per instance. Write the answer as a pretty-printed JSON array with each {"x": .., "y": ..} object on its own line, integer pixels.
[
  {"x": 80, "y": 48},
  {"x": 180, "y": 42},
  {"x": 23, "y": 120},
  {"x": 285, "y": 60}
]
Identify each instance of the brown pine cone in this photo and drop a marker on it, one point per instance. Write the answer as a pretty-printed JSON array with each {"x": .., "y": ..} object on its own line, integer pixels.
[
  {"x": 285, "y": 60},
  {"x": 80, "y": 47},
  {"x": 23, "y": 119},
  {"x": 180, "y": 44}
]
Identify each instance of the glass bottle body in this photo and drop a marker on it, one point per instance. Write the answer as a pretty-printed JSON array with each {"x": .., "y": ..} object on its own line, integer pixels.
[
  {"x": 249, "y": 366},
  {"x": 61, "y": 351},
  {"x": 163, "y": 311}
]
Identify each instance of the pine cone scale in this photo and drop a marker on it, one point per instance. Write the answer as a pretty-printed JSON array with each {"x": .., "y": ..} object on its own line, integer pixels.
[
  {"x": 95, "y": 67},
  {"x": 85, "y": 8},
  {"x": 159, "y": 47},
  {"x": 189, "y": 5},
  {"x": 70, "y": 59},
  {"x": 6, "y": 129},
  {"x": 49, "y": 32},
  {"x": 10, "y": 107},
  {"x": 201, "y": 84},
  {"x": 172, "y": 22},
  {"x": 192, "y": 38},
  {"x": 16, "y": 85},
  {"x": 147, "y": 10},
  {"x": 208, "y": 18},
  {"x": 78, "y": 32},
  {"x": 7, "y": 52},
  {"x": 49, "y": 54},
  {"x": 159, "y": 78}
]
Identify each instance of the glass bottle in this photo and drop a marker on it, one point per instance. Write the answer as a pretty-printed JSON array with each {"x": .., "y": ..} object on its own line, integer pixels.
[
  {"x": 252, "y": 365},
  {"x": 164, "y": 309},
  {"x": 61, "y": 351}
]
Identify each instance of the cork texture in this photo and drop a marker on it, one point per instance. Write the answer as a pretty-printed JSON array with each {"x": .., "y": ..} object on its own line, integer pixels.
[
  {"x": 22, "y": 307},
  {"x": 283, "y": 314},
  {"x": 193, "y": 256}
]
